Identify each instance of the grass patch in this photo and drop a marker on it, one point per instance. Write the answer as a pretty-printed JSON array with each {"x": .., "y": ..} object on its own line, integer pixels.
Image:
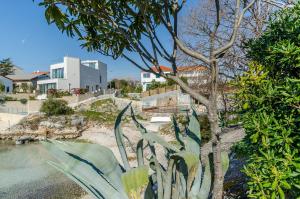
[{"x": 101, "y": 102}]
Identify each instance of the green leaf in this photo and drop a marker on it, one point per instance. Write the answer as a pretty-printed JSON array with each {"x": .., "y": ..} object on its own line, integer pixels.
[
  {"x": 135, "y": 180},
  {"x": 193, "y": 139},
  {"x": 119, "y": 137},
  {"x": 78, "y": 161},
  {"x": 153, "y": 137}
]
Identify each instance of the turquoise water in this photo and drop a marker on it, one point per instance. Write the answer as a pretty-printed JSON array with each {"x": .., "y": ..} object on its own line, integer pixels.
[{"x": 24, "y": 173}]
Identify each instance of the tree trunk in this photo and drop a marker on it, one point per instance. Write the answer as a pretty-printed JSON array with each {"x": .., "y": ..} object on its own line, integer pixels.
[
  {"x": 217, "y": 192},
  {"x": 216, "y": 147}
]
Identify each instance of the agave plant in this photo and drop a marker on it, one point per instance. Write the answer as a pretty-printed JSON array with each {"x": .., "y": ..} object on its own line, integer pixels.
[{"x": 96, "y": 169}]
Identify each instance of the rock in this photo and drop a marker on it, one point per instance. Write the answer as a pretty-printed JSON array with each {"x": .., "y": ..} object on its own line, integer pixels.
[
  {"x": 78, "y": 121},
  {"x": 24, "y": 139},
  {"x": 46, "y": 124}
]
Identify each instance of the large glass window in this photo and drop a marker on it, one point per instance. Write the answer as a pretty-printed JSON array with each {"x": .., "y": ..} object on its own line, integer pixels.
[
  {"x": 146, "y": 75},
  {"x": 58, "y": 73},
  {"x": 45, "y": 87}
]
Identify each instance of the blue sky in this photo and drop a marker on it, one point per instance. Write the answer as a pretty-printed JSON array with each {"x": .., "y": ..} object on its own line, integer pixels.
[{"x": 32, "y": 44}]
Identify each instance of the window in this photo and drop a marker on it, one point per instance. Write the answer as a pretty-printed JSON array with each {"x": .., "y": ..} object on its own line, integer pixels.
[
  {"x": 43, "y": 88},
  {"x": 97, "y": 87},
  {"x": 158, "y": 76},
  {"x": 58, "y": 73},
  {"x": 146, "y": 75},
  {"x": 87, "y": 87},
  {"x": 92, "y": 65},
  {"x": 100, "y": 79}
]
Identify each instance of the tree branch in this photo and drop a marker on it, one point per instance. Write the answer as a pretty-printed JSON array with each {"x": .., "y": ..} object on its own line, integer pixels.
[{"x": 237, "y": 24}]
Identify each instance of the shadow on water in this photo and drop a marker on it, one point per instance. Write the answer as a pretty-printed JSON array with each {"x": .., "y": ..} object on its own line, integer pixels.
[{"x": 24, "y": 173}]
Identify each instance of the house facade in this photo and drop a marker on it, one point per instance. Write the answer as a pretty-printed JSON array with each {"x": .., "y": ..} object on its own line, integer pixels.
[
  {"x": 195, "y": 75},
  {"x": 7, "y": 83},
  {"x": 73, "y": 73},
  {"x": 147, "y": 78},
  {"x": 23, "y": 81}
]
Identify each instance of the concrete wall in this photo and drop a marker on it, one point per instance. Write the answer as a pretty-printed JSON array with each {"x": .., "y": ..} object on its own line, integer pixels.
[
  {"x": 92, "y": 77},
  {"x": 72, "y": 72},
  {"x": 103, "y": 73},
  {"x": 7, "y": 83},
  {"x": 89, "y": 77}
]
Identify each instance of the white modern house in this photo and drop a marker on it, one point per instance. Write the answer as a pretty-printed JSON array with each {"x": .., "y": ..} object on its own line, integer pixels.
[
  {"x": 73, "y": 73},
  {"x": 8, "y": 84},
  {"x": 147, "y": 78}
]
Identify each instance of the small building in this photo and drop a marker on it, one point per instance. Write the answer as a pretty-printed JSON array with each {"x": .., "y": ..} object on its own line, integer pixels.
[
  {"x": 7, "y": 83},
  {"x": 147, "y": 78},
  {"x": 24, "y": 82},
  {"x": 195, "y": 75},
  {"x": 73, "y": 73}
]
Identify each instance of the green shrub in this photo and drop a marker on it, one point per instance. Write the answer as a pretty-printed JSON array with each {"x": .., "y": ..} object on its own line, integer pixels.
[
  {"x": 23, "y": 101},
  {"x": 55, "y": 107},
  {"x": 2, "y": 88},
  {"x": 9, "y": 98},
  {"x": 2, "y": 100},
  {"x": 269, "y": 100}
]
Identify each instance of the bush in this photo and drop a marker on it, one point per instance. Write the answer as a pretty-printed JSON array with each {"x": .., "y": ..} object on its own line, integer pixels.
[
  {"x": 268, "y": 100},
  {"x": 23, "y": 101},
  {"x": 2, "y": 100},
  {"x": 2, "y": 88},
  {"x": 8, "y": 98},
  {"x": 55, "y": 107},
  {"x": 58, "y": 93}
]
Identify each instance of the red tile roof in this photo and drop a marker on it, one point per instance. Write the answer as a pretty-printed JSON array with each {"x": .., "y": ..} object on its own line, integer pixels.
[
  {"x": 163, "y": 68},
  {"x": 40, "y": 73}
]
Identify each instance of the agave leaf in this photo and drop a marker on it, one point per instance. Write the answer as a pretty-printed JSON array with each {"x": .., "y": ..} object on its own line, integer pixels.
[
  {"x": 153, "y": 137},
  {"x": 191, "y": 163},
  {"x": 197, "y": 182},
  {"x": 85, "y": 185},
  {"x": 168, "y": 180},
  {"x": 135, "y": 180},
  {"x": 98, "y": 173},
  {"x": 139, "y": 152},
  {"x": 119, "y": 138},
  {"x": 141, "y": 128},
  {"x": 206, "y": 182},
  {"x": 177, "y": 132},
  {"x": 225, "y": 162},
  {"x": 191, "y": 160},
  {"x": 193, "y": 139}
]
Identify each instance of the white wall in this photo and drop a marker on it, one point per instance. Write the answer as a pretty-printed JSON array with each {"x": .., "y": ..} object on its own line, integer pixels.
[
  {"x": 103, "y": 73},
  {"x": 72, "y": 72},
  {"x": 146, "y": 81},
  {"x": 7, "y": 83},
  {"x": 78, "y": 74}
]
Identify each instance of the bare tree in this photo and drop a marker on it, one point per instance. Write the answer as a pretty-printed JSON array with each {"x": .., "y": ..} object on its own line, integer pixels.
[{"x": 122, "y": 28}]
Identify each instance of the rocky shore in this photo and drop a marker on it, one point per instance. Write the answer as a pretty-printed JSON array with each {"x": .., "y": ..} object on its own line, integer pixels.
[{"x": 38, "y": 127}]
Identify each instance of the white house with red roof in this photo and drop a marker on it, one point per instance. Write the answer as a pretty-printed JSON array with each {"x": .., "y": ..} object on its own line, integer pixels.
[
  {"x": 147, "y": 78},
  {"x": 194, "y": 75}
]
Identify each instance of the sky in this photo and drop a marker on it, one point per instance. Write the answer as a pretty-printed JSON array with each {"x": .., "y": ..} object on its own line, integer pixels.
[{"x": 33, "y": 44}]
